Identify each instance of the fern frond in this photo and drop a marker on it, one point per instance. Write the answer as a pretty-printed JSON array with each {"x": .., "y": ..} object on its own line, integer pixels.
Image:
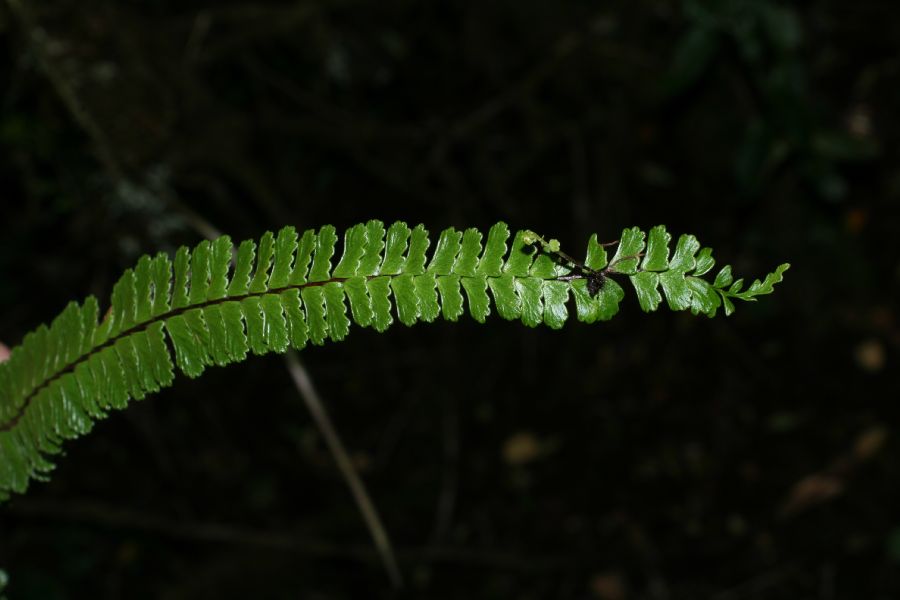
[{"x": 213, "y": 306}]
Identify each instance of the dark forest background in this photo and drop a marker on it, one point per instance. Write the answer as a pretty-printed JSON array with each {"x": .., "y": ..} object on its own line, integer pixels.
[{"x": 654, "y": 457}]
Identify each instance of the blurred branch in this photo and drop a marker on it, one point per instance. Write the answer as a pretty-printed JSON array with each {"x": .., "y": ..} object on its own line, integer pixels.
[
  {"x": 832, "y": 481},
  {"x": 67, "y": 93},
  {"x": 450, "y": 473},
  {"x": 115, "y": 171},
  {"x": 36, "y": 38},
  {"x": 314, "y": 403},
  {"x": 339, "y": 129},
  {"x": 564, "y": 47},
  {"x": 251, "y": 22},
  {"x": 108, "y": 517},
  {"x": 755, "y": 586}
]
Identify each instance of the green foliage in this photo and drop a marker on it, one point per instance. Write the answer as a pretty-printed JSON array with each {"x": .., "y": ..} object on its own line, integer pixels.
[
  {"x": 766, "y": 37},
  {"x": 285, "y": 293}
]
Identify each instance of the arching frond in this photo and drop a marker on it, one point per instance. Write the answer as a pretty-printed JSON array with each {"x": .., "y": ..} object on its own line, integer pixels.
[{"x": 212, "y": 306}]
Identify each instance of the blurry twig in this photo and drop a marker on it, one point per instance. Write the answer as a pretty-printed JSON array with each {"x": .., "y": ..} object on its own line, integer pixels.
[
  {"x": 450, "y": 473},
  {"x": 830, "y": 482},
  {"x": 36, "y": 37},
  {"x": 103, "y": 516},
  {"x": 246, "y": 23},
  {"x": 562, "y": 49},
  {"x": 463, "y": 127},
  {"x": 754, "y": 586},
  {"x": 314, "y": 403},
  {"x": 69, "y": 96}
]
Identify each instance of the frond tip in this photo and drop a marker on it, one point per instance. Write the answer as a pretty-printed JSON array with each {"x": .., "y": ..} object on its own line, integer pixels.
[{"x": 213, "y": 306}]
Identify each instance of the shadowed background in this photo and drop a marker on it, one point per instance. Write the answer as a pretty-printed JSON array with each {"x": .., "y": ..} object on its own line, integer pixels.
[{"x": 657, "y": 456}]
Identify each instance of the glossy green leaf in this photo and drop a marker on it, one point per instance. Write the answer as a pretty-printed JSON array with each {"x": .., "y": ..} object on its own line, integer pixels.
[
  {"x": 360, "y": 303},
  {"x": 395, "y": 248},
  {"x": 295, "y": 318},
  {"x": 131, "y": 367},
  {"x": 418, "y": 244},
  {"x": 305, "y": 247},
  {"x": 676, "y": 290},
  {"x": 556, "y": 294},
  {"x": 240, "y": 280},
  {"x": 354, "y": 248},
  {"x": 163, "y": 369},
  {"x": 182, "y": 275},
  {"x": 491, "y": 262},
  {"x": 314, "y": 301},
  {"x": 275, "y": 332},
  {"x": 724, "y": 278},
  {"x": 371, "y": 258},
  {"x": 506, "y": 299},
  {"x": 218, "y": 335},
  {"x": 407, "y": 302},
  {"x": 219, "y": 263},
  {"x": 426, "y": 292},
  {"x": 445, "y": 251},
  {"x": 336, "y": 311},
  {"x": 530, "y": 293},
  {"x": 596, "y": 254},
  {"x": 704, "y": 298},
  {"x": 543, "y": 267},
  {"x": 609, "y": 297},
  {"x": 521, "y": 256},
  {"x": 188, "y": 353},
  {"x": 467, "y": 260},
  {"x": 200, "y": 273},
  {"x": 264, "y": 258},
  {"x": 143, "y": 284},
  {"x": 380, "y": 293},
  {"x": 285, "y": 246},
  {"x": 705, "y": 262},
  {"x": 451, "y": 297},
  {"x": 256, "y": 325},
  {"x": 683, "y": 259},
  {"x": 627, "y": 255},
  {"x": 758, "y": 288},
  {"x": 587, "y": 307},
  {"x": 657, "y": 256},
  {"x": 646, "y": 284},
  {"x": 727, "y": 305},
  {"x": 237, "y": 346},
  {"x": 161, "y": 272},
  {"x": 476, "y": 293},
  {"x": 321, "y": 265}
]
